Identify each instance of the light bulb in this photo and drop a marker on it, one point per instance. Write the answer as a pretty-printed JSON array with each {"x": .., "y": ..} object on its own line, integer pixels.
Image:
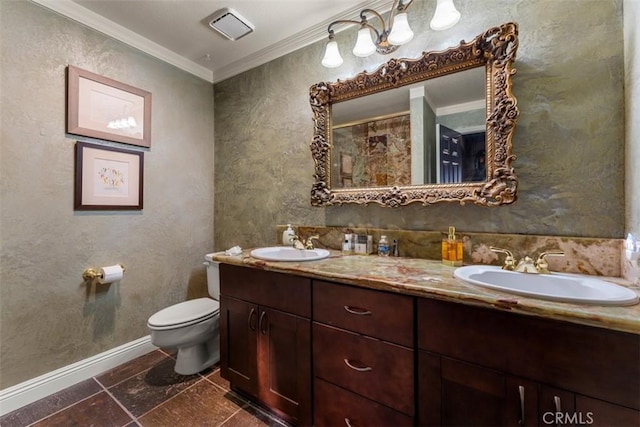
[
  {"x": 364, "y": 44},
  {"x": 332, "y": 58},
  {"x": 400, "y": 32},
  {"x": 445, "y": 17}
]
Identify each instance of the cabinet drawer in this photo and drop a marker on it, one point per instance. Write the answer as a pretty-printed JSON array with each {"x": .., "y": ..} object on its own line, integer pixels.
[
  {"x": 375, "y": 369},
  {"x": 335, "y": 406},
  {"x": 276, "y": 290},
  {"x": 378, "y": 314},
  {"x": 595, "y": 362}
]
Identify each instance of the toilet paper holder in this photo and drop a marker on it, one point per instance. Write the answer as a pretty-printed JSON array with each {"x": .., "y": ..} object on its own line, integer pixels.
[{"x": 94, "y": 273}]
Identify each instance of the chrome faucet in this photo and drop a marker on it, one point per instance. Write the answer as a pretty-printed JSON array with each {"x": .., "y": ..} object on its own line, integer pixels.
[
  {"x": 304, "y": 244},
  {"x": 527, "y": 264}
]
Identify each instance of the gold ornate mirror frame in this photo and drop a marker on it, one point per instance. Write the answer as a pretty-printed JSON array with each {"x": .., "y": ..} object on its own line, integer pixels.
[{"x": 495, "y": 49}]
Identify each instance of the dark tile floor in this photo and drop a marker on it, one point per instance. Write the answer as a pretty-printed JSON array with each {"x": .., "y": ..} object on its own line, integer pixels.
[{"x": 144, "y": 392}]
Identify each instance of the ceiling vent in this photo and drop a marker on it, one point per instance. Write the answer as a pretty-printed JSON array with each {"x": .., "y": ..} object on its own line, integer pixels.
[{"x": 230, "y": 24}]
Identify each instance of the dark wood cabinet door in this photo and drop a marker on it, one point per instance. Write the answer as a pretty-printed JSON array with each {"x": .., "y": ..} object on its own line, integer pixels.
[
  {"x": 471, "y": 395},
  {"x": 556, "y": 407},
  {"x": 238, "y": 344},
  {"x": 521, "y": 402},
  {"x": 429, "y": 389},
  {"x": 599, "y": 413},
  {"x": 590, "y": 361},
  {"x": 284, "y": 364}
]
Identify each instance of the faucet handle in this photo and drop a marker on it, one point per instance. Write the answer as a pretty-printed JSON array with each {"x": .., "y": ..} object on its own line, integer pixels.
[
  {"x": 309, "y": 244},
  {"x": 509, "y": 261},
  {"x": 541, "y": 263}
]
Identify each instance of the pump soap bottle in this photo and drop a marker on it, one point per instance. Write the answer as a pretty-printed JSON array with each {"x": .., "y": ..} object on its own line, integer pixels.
[
  {"x": 452, "y": 249},
  {"x": 287, "y": 235}
]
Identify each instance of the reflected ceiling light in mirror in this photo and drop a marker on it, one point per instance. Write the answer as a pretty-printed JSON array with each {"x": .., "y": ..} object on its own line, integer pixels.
[{"x": 445, "y": 17}]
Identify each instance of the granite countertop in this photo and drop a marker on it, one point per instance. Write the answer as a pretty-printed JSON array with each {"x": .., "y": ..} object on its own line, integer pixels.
[{"x": 432, "y": 279}]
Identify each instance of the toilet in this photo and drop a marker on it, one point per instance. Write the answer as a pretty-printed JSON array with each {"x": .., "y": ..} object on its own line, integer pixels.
[{"x": 193, "y": 327}]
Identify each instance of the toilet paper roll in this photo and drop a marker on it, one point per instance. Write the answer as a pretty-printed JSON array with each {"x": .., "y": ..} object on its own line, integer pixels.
[{"x": 110, "y": 273}]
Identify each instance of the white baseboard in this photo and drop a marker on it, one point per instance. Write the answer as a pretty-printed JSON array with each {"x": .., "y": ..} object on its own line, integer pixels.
[{"x": 29, "y": 391}]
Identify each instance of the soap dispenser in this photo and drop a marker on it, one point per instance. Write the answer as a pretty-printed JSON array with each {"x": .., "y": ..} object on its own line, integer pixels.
[
  {"x": 452, "y": 249},
  {"x": 287, "y": 235}
]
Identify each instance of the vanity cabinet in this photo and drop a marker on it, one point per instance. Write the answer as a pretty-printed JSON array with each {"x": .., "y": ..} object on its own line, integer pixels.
[
  {"x": 363, "y": 356},
  {"x": 479, "y": 366},
  {"x": 265, "y": 339},
  {"x": 322, "y": 353}
]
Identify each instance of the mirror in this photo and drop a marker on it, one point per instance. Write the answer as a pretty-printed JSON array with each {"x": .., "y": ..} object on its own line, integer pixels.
[{"x": 429, "y": 130}]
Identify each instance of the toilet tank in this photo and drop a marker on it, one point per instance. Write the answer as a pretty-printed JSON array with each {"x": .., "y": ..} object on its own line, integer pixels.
[{"x": 213, "y": 276}]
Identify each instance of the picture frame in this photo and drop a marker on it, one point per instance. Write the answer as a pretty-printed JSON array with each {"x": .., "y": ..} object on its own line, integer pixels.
[
  {"x": 103, "y": 108},
  {"x": 107, "y": 178}
]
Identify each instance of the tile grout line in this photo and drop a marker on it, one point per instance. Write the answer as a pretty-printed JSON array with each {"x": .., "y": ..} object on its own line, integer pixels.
[
  {"x": 268, "y": 415},
  {"x": 133, "y": 375},
  {"x": 117, "y": 401},
  {"x": 162, "y": 350},
  {"x": 66, "y": 407},
  {"x": 171, "y": 398},
  {"x": 137, "y": 419},
  {"x": 226, "y": 390},
  {"x": 247, "y": 403},
  {"x": 234, "y": 414}
]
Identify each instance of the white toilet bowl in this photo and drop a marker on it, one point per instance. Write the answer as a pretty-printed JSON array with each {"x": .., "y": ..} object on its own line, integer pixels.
[{"x": 192, "y": 327}]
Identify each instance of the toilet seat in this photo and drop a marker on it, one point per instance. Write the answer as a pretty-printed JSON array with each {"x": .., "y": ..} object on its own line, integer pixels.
[{"x": 184, "y": 314}]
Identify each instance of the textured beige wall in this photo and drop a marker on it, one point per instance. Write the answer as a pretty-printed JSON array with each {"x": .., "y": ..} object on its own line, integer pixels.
[
  {"x": 569, "y": 139},
  {"x": 632, "y": 113},
  {"x": 49, "y": 319}
]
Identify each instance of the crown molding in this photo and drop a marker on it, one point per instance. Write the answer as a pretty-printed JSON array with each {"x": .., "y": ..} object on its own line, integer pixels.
[
  {"x": 103, "y": 25},
  {"x": 304, "y": 38}
]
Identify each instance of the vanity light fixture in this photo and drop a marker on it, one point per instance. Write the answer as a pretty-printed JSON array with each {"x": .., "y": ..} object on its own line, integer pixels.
[
  {"x": 446, "y": 16},
  {"x": 394, "y": 33}
]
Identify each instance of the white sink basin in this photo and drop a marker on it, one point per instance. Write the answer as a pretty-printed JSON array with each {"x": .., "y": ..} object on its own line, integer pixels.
[
  {"x": 288, "y": 253},
  {"x": 563, "y": 287}
]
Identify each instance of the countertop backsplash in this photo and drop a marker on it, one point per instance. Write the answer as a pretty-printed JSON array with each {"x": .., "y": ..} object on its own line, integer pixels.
[{"x": 585, "y": 255}]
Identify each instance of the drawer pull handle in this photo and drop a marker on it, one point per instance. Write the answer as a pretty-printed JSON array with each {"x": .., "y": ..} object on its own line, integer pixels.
[
  {"x": 252, "y": 315},
  {"x": 356, "y": 368},
  {"x": 358, "y": 311},
  {"x": 347, "y": 421},
  {"x": 521, "y": 392}
]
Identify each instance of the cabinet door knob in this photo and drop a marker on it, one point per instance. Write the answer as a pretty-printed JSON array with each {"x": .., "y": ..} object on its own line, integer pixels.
[
  {"x": 358, "y": 311},
  {"x": 347, "y": 421},
  {"x": 356, "y": 368},
  {"x": 262, "y": 325},
  {"x": 252, "y": 315},
  {"x": 521, "y": 392}
]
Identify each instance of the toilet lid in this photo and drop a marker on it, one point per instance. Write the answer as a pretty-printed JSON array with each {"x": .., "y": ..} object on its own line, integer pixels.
[{"x": 185, "y": 312}]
